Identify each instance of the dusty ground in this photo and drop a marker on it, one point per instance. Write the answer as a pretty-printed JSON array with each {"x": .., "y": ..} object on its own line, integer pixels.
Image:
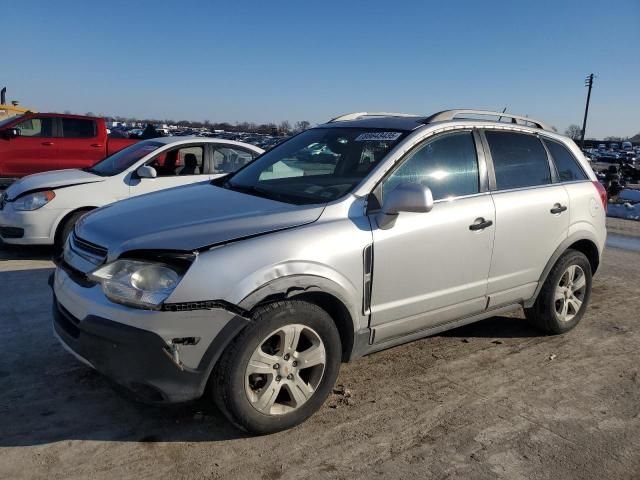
[{"x": 491, "y": 400}]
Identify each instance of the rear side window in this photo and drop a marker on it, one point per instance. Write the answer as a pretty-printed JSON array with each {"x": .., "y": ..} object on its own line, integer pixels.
[
  {"x": 447, "y": 165},
  {"x": 568, "y": 168},
  {"x": 519, "y": 160},
  {"x": 78, "y": 128},
  {"x": 229, "y": 159}
]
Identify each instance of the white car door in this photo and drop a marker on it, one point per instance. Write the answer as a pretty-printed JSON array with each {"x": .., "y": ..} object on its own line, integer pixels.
[{"x": 175, "y": 167}]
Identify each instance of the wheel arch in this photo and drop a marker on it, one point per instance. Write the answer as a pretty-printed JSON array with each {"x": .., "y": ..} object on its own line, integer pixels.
[
  {"x": 583, "y": 242},
  {"x": 320, "y": 291},
  {"x": 61, "y": 221}
]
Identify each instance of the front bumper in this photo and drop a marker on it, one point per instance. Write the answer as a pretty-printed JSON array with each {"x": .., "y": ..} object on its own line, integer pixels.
[
  {"x": 136, "y": 348},
  {"x": 36, "y": 227}
]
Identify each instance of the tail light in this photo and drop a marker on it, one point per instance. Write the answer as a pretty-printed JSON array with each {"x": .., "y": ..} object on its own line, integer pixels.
[{"x": 603, "y": 194}]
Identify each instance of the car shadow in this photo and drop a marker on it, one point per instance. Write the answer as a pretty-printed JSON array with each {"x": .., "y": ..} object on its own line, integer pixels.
[
  {"x": 25, "y": 252},
  {"x": 495, "y": 327}
]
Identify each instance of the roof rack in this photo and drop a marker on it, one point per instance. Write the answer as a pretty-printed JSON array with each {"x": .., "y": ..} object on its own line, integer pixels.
[
  {"x": 357, "y": 115},
  {"x": 452, "y": 114}
]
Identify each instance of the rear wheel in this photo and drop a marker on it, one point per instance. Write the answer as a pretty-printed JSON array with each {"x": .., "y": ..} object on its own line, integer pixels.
[
  {"x": 564, "y": 296},
  {"x": 280, "y": 369}
]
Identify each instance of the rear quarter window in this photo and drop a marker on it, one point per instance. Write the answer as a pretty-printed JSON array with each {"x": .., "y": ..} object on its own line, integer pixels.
[
  {"x": 567, "y": 165},
  {"x": 519, "y": 160}
]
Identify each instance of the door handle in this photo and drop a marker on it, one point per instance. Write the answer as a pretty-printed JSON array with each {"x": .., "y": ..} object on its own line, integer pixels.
[
  {"x": 47, "y": 144},
  {"x": 557, "y": 208},
  {"x": 480, "y": 224},
  {"x": 96, "y": 145}
]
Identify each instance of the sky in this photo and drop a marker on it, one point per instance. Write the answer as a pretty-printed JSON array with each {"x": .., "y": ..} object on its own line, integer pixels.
[{"x": 262, "y": 61}]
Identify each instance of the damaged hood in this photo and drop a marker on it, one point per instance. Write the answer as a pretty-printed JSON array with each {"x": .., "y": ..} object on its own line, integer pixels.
[
  {"x": 51, "y": 181},
  {"x": 188, "y": 218}
]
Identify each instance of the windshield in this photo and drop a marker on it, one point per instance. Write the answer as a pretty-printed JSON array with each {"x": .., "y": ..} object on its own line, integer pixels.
[
  {"x": 123, "y": 159},
  {"x": 317, "y": 166},
  {"x": 9, "y": 120}
]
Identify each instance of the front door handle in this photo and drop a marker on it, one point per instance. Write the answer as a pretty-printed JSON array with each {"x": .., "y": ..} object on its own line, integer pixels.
[
  {"x": 47, "y": 144},
  {"x": 480, "y": 224},
  {"x": 96, "y": 145},
  {"x": 557, "y": 208}
]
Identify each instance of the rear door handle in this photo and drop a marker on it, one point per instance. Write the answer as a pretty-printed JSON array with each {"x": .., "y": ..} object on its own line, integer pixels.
[
  {"x": 557, "y": 208},
  {"x": 480, "y": 224},
  {"x": 96, "y": 145},
  {"x": 47, "y": 144}
]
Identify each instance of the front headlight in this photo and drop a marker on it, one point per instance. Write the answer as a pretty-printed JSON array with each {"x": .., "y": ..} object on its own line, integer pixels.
[
  {"x": 34, "y": 201},
  {"x": 136, "y": 283}
]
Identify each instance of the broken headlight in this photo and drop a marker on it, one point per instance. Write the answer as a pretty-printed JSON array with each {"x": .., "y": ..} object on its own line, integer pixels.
[{"x": 137, "y": 283}]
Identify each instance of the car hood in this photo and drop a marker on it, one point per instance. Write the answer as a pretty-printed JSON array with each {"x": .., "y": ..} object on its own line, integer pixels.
[
  {"x": 188, "y": 218},
  {"x": 51, "y": 181}
]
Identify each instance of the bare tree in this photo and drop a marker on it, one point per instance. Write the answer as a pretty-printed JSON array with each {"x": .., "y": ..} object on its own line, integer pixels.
[
  {"x": 285, "y": 127},
  {"x": 573, "y": 131},
  {"x": 302, "y": 125}
]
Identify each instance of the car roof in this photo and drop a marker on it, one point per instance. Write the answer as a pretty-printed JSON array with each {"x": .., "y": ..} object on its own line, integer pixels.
[
  {"x": 194, "y": 139},
  {"x": 405, "y": 123}
]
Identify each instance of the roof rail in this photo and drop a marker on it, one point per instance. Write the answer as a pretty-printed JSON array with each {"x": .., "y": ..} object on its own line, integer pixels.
[
  {"x": 452, "y": 114},
  {"x": 356, "y": 115}
]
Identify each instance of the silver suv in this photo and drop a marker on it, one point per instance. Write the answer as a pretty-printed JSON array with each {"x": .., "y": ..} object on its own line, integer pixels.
[{"x": 360, "y": 234}]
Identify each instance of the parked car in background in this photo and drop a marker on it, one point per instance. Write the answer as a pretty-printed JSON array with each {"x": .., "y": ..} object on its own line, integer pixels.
[
  {"x": 39, "y": 142},
  {"x": 43, "y": 208},
  {"x": 254, "y": 288}
]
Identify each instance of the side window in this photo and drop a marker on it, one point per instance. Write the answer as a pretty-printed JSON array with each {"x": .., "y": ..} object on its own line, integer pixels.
[
  {"x": 181, "y": 161},
  {"x": 448, "y": 165},
  {"x": 78, "y": 128},
  {"x": 229, "y": 159},
  {"x": 36, "y": 127},
  {"x": 519, "y": 160},
  {"x": 568, "y": 168}
]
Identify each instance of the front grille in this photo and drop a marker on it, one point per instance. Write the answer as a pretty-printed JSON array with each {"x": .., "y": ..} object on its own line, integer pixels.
[
  {"x": 83, "y": 255},
  {"x": 11, "y": 232},
  {"x": 67, "y": 322}
]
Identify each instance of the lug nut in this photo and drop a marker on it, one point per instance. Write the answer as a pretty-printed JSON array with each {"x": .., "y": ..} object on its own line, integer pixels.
[
  {"x": 286, "y": 356},
  {"x": 295, "y": 364},
  {"x": 290, "y": 376},
  {"x": 276, "y": 366},
  {"x": 278, "y": 378}
]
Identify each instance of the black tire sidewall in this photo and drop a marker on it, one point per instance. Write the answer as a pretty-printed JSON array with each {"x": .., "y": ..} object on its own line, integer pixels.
[
  {"x": 571, "y": 257},
  {"x": 232, "y": 381},
  {"x": 67, "y": 228}
]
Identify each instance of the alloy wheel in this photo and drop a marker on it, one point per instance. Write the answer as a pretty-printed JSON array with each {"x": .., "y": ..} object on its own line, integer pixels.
[{"x": 569, "y": 293}]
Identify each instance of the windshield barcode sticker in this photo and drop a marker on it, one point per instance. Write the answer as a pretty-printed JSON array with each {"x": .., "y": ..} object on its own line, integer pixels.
[{"x": 381, "y": 136}]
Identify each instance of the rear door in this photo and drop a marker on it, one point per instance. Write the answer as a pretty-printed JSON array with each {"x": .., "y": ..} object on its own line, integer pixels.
[
  {"x": 532, "y": 213},
  {"x": 178, "y": 166},
  {"x": 35, "y": 150},
  {"x": 80, "y": 144}
]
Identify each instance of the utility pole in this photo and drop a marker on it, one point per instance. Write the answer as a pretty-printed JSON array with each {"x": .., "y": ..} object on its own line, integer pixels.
[{"x": 587, "y": 83}]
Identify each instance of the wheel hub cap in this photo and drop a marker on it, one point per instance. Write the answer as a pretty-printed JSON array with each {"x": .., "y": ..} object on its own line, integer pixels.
[{"x": 569, "y": 293}]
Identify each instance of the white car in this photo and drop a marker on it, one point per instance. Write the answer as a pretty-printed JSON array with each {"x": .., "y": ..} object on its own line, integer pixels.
[{"x": 42, "y": 209}]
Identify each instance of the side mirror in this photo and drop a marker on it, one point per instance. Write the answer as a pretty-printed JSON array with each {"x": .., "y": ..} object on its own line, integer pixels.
[
  {"x": 11, "y": 133},
  {"x": 406, "y": 197},
  {"x": 145, "y": 171}
]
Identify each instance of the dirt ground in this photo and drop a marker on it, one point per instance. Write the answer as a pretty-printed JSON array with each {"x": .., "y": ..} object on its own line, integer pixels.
[{"x": 490, "y": 400}]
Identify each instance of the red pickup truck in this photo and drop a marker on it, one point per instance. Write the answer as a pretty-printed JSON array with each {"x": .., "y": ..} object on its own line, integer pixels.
[{"x": 38, "y": 142}]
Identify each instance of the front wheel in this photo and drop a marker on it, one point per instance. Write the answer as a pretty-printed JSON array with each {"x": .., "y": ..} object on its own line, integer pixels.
[
  {"x": 280, "y": 368},
  {"x": 564, "y": 296}
]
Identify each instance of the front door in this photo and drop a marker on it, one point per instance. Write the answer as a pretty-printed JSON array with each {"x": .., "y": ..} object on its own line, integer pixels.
[
  {"x": 35, "y": 150},
  {"x": 176, "y": 167},
  {"x": 430, "y": 268}
]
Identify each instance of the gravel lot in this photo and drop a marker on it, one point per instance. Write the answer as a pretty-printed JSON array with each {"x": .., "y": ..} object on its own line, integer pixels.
[{"x": 490, "y": 400}]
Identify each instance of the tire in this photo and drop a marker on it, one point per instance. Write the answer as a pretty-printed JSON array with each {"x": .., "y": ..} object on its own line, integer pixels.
[
  {"x": 554, "y": 311},
  {"x": 245, "y": 379},
  {"x": 65, "y": 230}
]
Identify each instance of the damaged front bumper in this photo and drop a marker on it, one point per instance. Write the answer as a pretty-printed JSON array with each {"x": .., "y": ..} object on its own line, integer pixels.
[{"x": 160, "y": 356}]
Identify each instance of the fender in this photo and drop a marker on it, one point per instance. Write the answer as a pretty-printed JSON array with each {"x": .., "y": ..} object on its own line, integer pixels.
[
  {"x": 566, "y": 243},
  {"x": 296, "y": 284}
]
